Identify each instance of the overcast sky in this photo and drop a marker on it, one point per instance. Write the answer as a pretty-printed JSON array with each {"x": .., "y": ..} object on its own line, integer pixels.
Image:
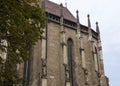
[{"x": 107, "y": 13}]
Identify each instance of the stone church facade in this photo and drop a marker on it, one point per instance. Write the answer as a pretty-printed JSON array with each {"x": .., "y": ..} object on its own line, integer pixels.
[{"x": 69, "y": 53}]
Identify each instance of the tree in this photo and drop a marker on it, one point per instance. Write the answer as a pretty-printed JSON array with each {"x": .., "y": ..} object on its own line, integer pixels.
[{"x": 21, "y": 23}]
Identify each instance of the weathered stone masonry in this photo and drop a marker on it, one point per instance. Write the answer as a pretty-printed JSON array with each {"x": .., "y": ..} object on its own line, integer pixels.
[{"x": 69, "y": 54}]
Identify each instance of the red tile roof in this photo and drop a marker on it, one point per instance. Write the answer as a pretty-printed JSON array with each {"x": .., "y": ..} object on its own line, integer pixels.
[{"x": 55, "y": 9}]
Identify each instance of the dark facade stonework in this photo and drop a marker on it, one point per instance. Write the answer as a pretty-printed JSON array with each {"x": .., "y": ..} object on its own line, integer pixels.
[{"x": 69, "y": 54}]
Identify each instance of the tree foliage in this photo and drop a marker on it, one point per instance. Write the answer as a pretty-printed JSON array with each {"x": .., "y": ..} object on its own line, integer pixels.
[{"x": 21, "y": 23}]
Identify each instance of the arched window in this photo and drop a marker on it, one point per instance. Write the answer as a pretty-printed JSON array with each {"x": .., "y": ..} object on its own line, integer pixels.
[{"x": 70, "y": 61}]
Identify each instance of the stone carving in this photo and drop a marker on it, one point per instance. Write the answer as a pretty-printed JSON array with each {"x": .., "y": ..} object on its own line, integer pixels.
[
  {"x": 44, "y": 68},
  {"x": 86, "y": 76},
  {"x": 85, "y": 71},
  {"x": 67, "y": 75}
]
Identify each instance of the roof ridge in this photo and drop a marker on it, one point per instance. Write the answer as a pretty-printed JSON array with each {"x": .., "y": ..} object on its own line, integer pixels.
[{"x": 54, "y": 3}]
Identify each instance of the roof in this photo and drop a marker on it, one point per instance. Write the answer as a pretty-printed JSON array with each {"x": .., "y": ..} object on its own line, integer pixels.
[{"x": 55, "y": 9}]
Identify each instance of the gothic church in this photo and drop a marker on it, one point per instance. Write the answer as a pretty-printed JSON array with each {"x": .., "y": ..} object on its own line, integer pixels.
[{"x": 69, "y": 53}]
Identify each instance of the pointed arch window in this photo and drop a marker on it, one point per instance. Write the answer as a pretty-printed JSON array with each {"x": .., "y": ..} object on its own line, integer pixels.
[{"x": 70, "y": 61}]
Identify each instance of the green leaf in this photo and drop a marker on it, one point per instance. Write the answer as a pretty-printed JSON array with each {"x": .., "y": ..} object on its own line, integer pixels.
[{"x": 20, "y": 33}]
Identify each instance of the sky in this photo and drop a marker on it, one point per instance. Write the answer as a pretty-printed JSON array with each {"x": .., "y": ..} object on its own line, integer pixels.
[{"x": 107, "y": 13}]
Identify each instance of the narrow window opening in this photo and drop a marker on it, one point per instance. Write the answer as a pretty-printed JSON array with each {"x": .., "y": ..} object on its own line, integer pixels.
[
  {"x": 70, "y": 61},
  {"x": 26, "y": 75},
  {"x": 96, "y": 60}
]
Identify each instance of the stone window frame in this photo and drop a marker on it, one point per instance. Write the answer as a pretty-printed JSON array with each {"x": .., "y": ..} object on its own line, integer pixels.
[
  {"x": 27, "y": 71},
  {"x": 96, "y": 59},
  {"x": 70, "y": 48}
]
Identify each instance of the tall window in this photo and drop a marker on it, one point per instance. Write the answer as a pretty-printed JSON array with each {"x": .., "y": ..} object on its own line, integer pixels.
[
  {"x": 96, "y": 60},
  {"x": 26, "y": 75},
  {"x": 70, "y": 61}
]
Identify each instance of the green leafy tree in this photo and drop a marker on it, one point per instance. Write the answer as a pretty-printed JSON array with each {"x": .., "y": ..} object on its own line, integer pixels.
[{"x": 21, "y": 23}]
